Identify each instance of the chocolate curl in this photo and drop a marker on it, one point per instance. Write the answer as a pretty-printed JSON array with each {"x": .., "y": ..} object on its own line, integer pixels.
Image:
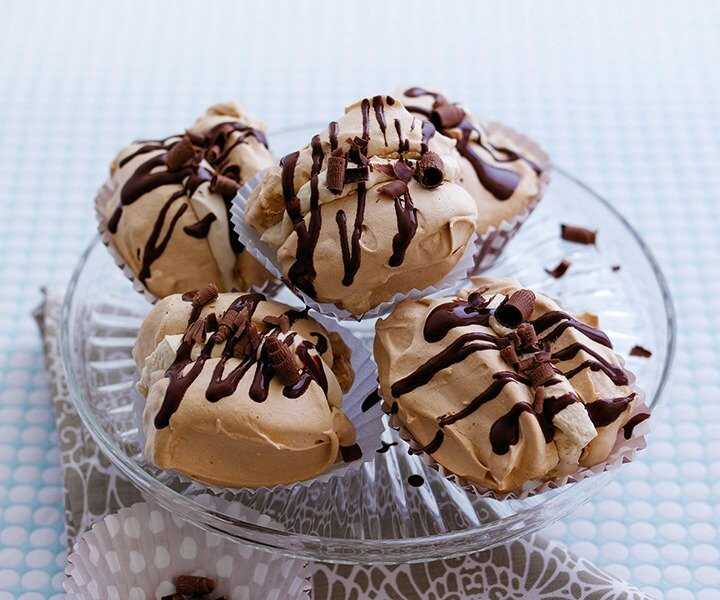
[
  {"x": 516, "y": 309},
  {"x": 182, "y": 152},
  {"x": 403, "y": 171},
  {"x": 195, "y": 138},
  {"x": 447, "y": 116},
  {"x": 559, "y": 270},
  {"x": 189, "y": 585},
  {"x": 205, "y": 295},
  {"x": 213, "y": 153},
  {"x": 282, "y": 360},
  {"x": 358, "y": 150},
  {"x": 509, "y": 355},
  {"x": 477, "y": 299},
  {"x": 356, "y": 174},
  {"x": 385, "y": 169},
  {"x": 231, "y": 321},
  {"x": 195, "y": 334},
  {"x": 282, "y": 322},
  {"x": 429, "y": 170},
  {"x": 526, "y": 334},
  {"x": 539, "y": 403},
  {"x": 579, "y": 235},
  {"x": 640, "y": 351},
  {"x": 224, "y": 186},
  {"x": 541, "y": 374},
  {"x": 394, "y": 189},
  {"x": 335, "y": 178}
]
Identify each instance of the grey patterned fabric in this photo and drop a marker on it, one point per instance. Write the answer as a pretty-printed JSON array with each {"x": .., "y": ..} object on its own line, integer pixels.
[{"x": 531, "y": 568}]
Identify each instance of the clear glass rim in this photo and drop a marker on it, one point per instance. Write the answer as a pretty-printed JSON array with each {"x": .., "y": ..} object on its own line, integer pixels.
[{"x": 345, "y": 550}]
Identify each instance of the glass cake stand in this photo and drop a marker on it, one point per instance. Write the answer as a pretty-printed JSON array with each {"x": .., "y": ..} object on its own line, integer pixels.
[{"x": 371, "y": 514}]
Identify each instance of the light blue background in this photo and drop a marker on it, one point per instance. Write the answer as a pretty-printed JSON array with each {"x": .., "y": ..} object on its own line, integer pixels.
[{"x": 625, "y": 95}]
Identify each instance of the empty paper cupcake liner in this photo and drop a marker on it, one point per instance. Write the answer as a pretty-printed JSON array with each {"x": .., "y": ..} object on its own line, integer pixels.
[
  {"x": 137, "y": 553},
  {"x": 623, "y": 451},
  {"x": 267, "y": 256},
  {"x": 368, "y": 423},
  {"x": 490, "y": 244},
  {"x": 103, "y": 196}
]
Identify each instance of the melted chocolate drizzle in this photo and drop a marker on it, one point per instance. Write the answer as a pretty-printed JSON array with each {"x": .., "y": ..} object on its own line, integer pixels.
[
  {"x": 457, "y": 313},
  {"x": 566, "y": 321},
  {"x": 379, "y": 108},
  {"x": 616, "y": 374},
  {"x": 456, "y": 352},
  {"x": 407, "y": 225},
  {"x": 604, "y": 412},
  {"x": 373, "y": 398},
  {"x": 365, "y": 109},
  {"x": 633, "y": 422},
  {"x": 201, "y": 229},
  {"x": 351, "y": 248},
  {"x": 432, "y": 446}
]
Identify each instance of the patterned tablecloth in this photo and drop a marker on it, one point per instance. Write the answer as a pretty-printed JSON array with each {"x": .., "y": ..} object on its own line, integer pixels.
[{"x": 625, "y": 95}]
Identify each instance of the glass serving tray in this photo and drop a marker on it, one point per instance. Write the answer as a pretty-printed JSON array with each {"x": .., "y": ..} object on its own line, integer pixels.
[{"x": 372, "y": 514}]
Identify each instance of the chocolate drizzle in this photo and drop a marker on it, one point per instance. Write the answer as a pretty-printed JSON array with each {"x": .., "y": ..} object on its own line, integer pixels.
[
  {"x": 605, "y": 412},
  {"x": 302, "y": 272},
  {"x": 407, "y": 224},
  {"x": 500, "y": 380},
  {"x": 432, "y": 446},
  {"x": 372, "y": 399},
  {"x": 616, "y": 374},
  {"x": 456, "y": 352},
  {"x": 458, "y": 313},
  {"x": 633, "y": 422},
  {"x": 153, "y": 250},
  {"x": 351, "y": 248},
  {"x": 201, "y": 229},
  {"x": 554, "y": 317},
  {"x": 379, "y": 108},
  {"x": 365, "y": 109}
]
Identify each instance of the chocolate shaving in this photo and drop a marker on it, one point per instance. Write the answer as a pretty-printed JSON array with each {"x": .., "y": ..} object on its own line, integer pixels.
[
  {"x": 640, "y": 351},
  {"x": 350, "y": 453},
  {"x": 615, "y": 268},
  {"x": 282, "y": 360},
  {"x": 429, "y": 170},
  {"x": 516, "y": 309},
  {"x": 356, "y": 174},
  {"x": 541, "y": 374},
  {"x": 447, "y": 116},
  {"x": 224, "y": 186},
  {"x": 196, "y": 139},
  {"x": 205, "y": 295},
  {"x": 213, "y": 153},
  {"x": 231, "y": 321},
  {"x": 195, "y": 334},
  {"x": 189, "y": 585},
  {"x": 282, "y": 322},
  {"x": 335, "y": 177},
  {"x": 386, "y": 169},
  {"x": 539, "y": 403},
  {"x": 358, "y": 151},
  {"x": 526, "y": 334},
  {"x": 577, "y": 234},
  {"x": 509, "y": 355},
  {"x": 394, "y": 189},
  {"x": 559, "y": 270},
  {"x": 403, "y": 171},
  {"x": 439, "y": 101},
  {"x": 181, "y": 153},
  {"x": 534, "y": 361}
]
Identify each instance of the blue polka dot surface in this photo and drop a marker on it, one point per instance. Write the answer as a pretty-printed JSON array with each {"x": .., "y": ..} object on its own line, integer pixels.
[{"x": 627, "y": 100}]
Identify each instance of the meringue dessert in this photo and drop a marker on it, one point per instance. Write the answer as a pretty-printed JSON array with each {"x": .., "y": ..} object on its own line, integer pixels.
[
  {"x": 503, "y": 179},
  {"x": 167, "y": 217},
  {"x": 241, "y": 391},
  {"x": 371, "y": 207},
  {"x": 501, "y": 386}
]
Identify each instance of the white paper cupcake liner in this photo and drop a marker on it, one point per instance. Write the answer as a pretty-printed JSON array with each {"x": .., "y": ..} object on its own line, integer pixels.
[
  {"x": 623, "y": 451},
  {"x": 491, "y": 243},
  {"x": 267, "y": 256},
  {"x": 137, "y": 553},
  {"x": 102, "y": 198},
  {"x": 368, "y": 424}
]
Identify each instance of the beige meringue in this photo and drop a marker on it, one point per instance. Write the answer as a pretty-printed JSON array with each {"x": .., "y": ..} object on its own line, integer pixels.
[
  {"x": 444, "y": 372},
  {"x": 361, "y": 244},
  {"x": 172, "y": 229},
  {"x": 231, "y": 421}
]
